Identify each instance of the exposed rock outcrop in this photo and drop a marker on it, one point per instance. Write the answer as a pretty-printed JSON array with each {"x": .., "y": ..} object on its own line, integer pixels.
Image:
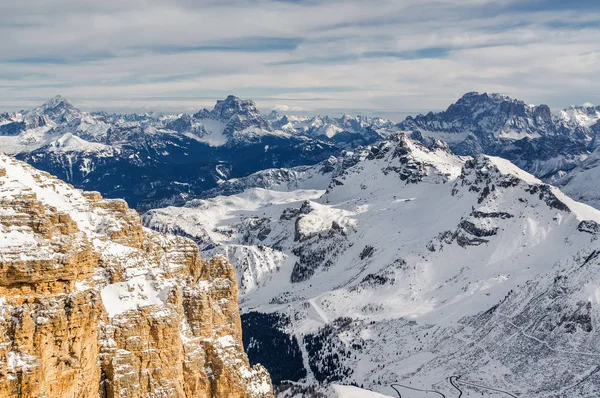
[{"x": 93, "y": 304}]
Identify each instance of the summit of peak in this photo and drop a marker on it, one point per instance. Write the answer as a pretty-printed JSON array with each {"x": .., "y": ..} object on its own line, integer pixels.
[
  {"x": 474, "y": 97},
  {"x": 233, "y": 104},
  {"x": 58, "y": 108},
  {"x": 237, "y": 113},
  {"x": 57, "y": 101}
]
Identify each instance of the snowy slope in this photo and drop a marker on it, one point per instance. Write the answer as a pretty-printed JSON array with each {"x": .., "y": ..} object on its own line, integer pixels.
[
  {"x": 334, "y": 391},
  {"x": 355, "y": 392},
  {"x": 582, "y": 183},
  {"x": 585, "y": 116},
  {"x": 56, "y": 126},
  {"x": 416, "y": 267}
]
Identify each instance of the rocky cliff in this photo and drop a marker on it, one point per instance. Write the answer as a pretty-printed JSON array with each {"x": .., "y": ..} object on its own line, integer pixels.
[{"x": 93, "y": 304}]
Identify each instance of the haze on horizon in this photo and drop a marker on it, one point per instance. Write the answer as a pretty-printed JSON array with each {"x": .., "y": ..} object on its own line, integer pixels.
[{"x": 380, "y": 57}]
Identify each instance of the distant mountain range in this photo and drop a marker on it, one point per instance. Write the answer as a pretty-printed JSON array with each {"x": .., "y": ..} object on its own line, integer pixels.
[
  {"x": 153, "y": 159},
  {"x": 544, "y": 143},
  {"x": 346, "y": 131},
  {"x": 145, "y": 157}
]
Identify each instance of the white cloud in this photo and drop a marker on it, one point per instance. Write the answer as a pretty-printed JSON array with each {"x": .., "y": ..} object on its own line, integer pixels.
[
  {"x": 140, "y": 53},
  {"x": 289, "y": 108}
]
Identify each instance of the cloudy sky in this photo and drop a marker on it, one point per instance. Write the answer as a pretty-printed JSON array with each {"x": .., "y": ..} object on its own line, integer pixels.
[{"x": 383, "y": 57}]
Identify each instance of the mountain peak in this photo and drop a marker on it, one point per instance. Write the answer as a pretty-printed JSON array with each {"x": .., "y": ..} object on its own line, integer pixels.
[
  {"x": 501, "y": 166},
  {"x": 475, "y": 97},
  {"x": 491, "y": 116},
  {"x": 238, "y": 113},
  {"x": 274, "y": 115},
  {"x": 57, "y": 100},
  {"x": 58, "y": 108},
  {"x": 233, "y": 104}
]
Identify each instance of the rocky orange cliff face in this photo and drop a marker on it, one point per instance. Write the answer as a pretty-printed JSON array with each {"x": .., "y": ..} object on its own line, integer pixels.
[{"x": 94, "y": 305}]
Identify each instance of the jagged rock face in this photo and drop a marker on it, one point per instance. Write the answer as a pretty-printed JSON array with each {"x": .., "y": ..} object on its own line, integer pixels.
[
  {"x": 495, "y": 114},
  {"x": 530, "y": 136},
  {"x": 237, "y": 114},
  {"x": 93, "y": 304}
]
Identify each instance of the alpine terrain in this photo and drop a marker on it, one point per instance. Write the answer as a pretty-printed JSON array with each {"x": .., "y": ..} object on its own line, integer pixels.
[
  {"x": 545, "y": 143},
  {"x": 407, "y": 270},
  {"x": 300, "y": 199}
]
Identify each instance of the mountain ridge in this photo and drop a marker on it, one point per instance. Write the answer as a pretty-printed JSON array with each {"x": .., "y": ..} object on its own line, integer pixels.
[
  {"x": 530, "y": 136},
  {"x": 234, "y": 140},
  {"x": 409, "y": 265}
]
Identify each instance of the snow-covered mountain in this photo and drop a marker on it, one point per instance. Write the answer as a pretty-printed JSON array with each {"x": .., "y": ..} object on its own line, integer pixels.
[
  {"x": 58, "y": 109},
  {"x": 146, "y": 157},
  {"x": 411, "y": 267},
  {"x": 583, "y": 116},
  {"x": 583, "y": 182},
  {"x": 532, "y": 137},
  {"x": 348, "y": 131},
  {"x": 151, "y": 158}
]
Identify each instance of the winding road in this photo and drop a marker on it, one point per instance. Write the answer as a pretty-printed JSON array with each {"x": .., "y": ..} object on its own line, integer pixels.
[
  {"x": 456, "y": 383},
  {"x": 414, "y": 389}
]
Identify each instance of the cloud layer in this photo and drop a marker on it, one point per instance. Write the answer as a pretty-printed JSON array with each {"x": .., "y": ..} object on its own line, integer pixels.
[{"x": 381, "y": 56}]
